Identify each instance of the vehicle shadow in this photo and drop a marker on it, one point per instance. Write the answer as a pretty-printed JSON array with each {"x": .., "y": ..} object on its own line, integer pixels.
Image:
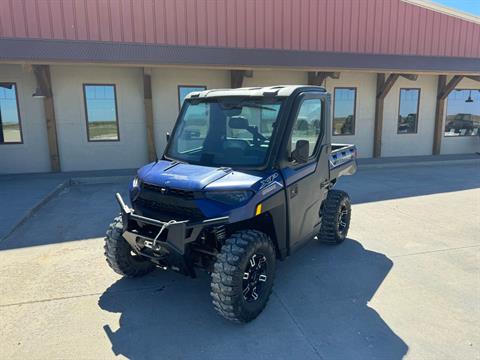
[{"x": 319, "y": 308}]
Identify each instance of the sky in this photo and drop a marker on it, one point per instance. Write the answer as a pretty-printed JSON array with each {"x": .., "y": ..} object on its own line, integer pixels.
[{"x": 468, "y": 6}]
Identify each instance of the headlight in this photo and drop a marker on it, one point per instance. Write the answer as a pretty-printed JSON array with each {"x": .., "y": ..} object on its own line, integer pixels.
[
  {"x": 229, "y": 197},
  {"x": 136, "y": 187},
  {"x": 136, "y": 182}
]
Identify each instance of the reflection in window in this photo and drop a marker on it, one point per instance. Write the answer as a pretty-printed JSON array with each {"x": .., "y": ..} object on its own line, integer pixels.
[
  {"x": 344, "y": 111},
  {"x": 408, "y": 111},
  {"x": 307, "y": 126},
  {"x": 183, "y": 91},
  {"x": 195, "y": 128},
  {"x": 101, "y": 111},
  {"x": 463, "y": 113},
  {"x": 268, "y": 117},
  {"x": 10, "y": 130}
]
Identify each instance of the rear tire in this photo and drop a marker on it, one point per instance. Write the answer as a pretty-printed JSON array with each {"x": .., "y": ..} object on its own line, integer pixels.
[
  {"x": 243, "y": 276},
  {"x": 336, "y": 215},
  {"x": 119, "y": 254}
]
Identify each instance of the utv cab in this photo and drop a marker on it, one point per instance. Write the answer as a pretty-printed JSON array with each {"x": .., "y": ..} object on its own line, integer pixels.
[{"x": 246, "y": 178}]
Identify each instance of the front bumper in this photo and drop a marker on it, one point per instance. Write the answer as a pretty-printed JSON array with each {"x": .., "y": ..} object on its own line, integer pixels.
[{"x": 170, "y": 238}]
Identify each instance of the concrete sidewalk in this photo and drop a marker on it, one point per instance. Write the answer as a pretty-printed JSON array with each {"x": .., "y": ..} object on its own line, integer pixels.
[{"x": 21, "y": 195}]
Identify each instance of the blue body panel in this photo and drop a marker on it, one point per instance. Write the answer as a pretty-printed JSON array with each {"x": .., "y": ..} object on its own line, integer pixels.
[
  {"x": 181, "y": 176},
  {"x": 209, "y": 179}
]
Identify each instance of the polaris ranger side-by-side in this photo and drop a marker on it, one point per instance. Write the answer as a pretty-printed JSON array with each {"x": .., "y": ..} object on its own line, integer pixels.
[{"x": 247, "y": 177}]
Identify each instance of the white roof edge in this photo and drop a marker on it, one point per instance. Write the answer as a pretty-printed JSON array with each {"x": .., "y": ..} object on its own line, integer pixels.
[
  {"x": 431, "y": 5},
  {"x": 281, "y": 90}
]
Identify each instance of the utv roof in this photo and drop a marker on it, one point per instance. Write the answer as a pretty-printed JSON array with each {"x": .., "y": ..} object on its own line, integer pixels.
[{"x": 278, "y": 90}]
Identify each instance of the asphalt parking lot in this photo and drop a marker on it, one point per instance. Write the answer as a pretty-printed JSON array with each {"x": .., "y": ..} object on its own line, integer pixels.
[{"x": 406, "y": 284}]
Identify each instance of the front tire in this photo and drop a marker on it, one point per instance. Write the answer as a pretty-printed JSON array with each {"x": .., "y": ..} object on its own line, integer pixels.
[
  {"x": 243, "y": 276},
  {"x": 336, "y": 215},
  {"x": 120, "y": 256}
]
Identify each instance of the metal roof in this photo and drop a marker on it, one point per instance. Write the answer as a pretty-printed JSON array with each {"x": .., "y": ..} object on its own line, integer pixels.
[
  {"x": 277, "y": 90},
  {"x": 406, "y": 30}
]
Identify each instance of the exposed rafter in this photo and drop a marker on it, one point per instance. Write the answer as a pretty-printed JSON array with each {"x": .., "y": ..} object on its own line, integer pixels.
[
  {"x": 317, "y": 77},
  {"x": 386, "y": 86},
  {"x": 474, "y": 77},
  {"x": 447, "y": 89},
  {"x": 237, "y": 76},
  {"x": 412, "y": 77}
]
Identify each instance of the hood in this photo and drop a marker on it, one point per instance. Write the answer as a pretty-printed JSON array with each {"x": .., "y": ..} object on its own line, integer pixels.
[{"x": 181, "y": 176}]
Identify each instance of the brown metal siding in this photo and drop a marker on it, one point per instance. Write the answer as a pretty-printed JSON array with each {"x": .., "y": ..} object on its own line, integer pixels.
[{"x": 351, "y": 26}]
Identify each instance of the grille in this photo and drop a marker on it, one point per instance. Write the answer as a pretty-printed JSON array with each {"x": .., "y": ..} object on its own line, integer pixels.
[
  {"x": 167, "y": 204},
  {"x": 169, "y": 191}
]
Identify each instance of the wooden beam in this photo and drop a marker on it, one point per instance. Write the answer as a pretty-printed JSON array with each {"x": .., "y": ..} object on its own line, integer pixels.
[
  {"x": 443, "y": 90},
  {"x": 474, "y": 77},
  {"x": 439, "y": 114},
  {"x": 447, "y": 89},
  {"x": 148, "y": 104},
  {"x": 317, "y": 78},
  {"x": 412, "y": 77},
  {"x": 44, "y": 83},
  {"x": 237, "y": 76},
  {"x": 377, "y": 132},
  {"x": 383, "y": 88},
  {"x": 387, "y": 85}
]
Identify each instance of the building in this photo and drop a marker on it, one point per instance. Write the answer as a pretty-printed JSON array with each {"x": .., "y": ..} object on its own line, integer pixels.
[{"x": 96, "y": 84}]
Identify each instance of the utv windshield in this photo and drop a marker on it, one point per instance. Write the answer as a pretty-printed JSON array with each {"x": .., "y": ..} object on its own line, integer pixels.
[{"x": 225, "y": 131}]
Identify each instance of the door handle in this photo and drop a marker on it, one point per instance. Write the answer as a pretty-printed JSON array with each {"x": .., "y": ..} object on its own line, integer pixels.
[
  {"x": 293, "y": 191},
  {"x": 324, "y": 183}
]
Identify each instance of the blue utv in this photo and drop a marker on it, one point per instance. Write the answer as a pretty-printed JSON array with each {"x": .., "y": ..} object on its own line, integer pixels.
[{"x": 246, "y": 178}]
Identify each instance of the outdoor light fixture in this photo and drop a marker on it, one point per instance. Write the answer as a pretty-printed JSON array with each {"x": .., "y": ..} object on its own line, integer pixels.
[
  {"x": 39, "y": 93},
  {"x": 469, "y": 100}
]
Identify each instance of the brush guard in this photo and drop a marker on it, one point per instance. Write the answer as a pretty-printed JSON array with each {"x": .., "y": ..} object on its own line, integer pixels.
[{"x": 171, "y": 248}]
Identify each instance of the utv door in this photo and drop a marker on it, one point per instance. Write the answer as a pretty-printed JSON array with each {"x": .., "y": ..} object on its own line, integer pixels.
[{"x": 307, "y": 183}]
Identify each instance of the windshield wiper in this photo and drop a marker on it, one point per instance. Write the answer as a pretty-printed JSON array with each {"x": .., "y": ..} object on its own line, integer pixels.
[{"x": 242, "y": 105}]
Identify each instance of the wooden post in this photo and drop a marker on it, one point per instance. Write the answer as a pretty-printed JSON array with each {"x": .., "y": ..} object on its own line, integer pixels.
[
  {"x": 383, "y": 88},
  {"x": 443, "y": 90},
  {"x": 44, "y": 83},
  {"x": 377, "y": 132},
  {"x": 148, "y": 104},
  {"x": 439, "y": 113}
]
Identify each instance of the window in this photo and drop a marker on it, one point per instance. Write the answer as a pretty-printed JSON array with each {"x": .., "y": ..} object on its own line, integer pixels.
[
  {"x": 101, "y": 112},
  {"x": 224, "y": 132},
  {"x": 463, "y": 113},
  {"x": 344, "y": 111},
  {"x": 307, "y": 126},
  {"x": 10, "y": 128},
  {"x": 408, "y": 111},
  {"x": 184, "y": 90}
]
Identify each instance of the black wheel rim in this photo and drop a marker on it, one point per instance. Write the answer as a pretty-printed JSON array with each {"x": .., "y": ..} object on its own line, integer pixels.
[
  {"x": 342, "y": 219},
  {"x": 254, "y": 277}
]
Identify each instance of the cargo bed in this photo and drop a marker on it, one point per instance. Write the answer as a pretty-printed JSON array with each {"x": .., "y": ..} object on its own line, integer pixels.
[{"x": 342, "y": 160}]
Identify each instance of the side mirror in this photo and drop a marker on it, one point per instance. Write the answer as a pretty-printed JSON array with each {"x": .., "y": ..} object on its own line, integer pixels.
[{"x": 301, "y": 152}]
